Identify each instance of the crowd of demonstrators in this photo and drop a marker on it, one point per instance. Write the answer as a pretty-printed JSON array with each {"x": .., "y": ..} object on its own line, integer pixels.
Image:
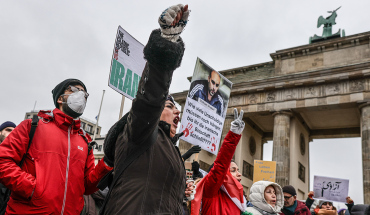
[
  {"x": 155, "y": 182},
  {"x": 5, "y": 130},
  {"x": 58, "y": 167},
  {"x": 142, "y": 171}
]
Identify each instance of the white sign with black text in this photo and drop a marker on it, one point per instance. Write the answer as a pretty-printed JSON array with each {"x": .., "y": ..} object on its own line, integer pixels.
[
  {"x": 327, "y": 188},
  {"x": 205, "y": 108},
  {"x": 127, "y": 64}
]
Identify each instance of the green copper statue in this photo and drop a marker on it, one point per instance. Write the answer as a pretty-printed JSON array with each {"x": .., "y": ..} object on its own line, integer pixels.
[{"x": 328, "y": 23}]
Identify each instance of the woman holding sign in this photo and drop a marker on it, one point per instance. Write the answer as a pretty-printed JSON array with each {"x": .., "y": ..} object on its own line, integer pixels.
[{"x": 220, "y": 191}]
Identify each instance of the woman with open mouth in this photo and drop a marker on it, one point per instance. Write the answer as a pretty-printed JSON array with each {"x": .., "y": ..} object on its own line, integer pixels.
[{"x": 266, "y": 197}]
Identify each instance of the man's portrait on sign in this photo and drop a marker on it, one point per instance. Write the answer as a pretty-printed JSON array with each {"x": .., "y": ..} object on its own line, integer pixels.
[{"x": 210, "y": 88}]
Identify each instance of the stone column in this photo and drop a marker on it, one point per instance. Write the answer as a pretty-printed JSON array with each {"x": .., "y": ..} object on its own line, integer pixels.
[
  {"x": 365, "y": 139},
  {"x": 281, "y": 147}
]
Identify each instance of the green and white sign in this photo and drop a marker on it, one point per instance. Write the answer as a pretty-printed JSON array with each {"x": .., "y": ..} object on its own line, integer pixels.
[{"x": 127, "y": 64}]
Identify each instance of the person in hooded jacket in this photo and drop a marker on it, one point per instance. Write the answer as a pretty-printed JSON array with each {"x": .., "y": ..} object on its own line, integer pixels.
[
  {"x": 58, "y": 169},
  {"x": 266, "y": 198},
  {"x": 220, "y": 191}
]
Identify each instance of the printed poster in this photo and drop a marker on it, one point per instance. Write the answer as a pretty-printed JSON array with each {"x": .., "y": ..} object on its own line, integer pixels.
[
  {"x": 327, "y": 188},
  {"x": 205, "y": 108},
  {"x": 127, "y": 64},
  {"x": 264, "y": 171}
]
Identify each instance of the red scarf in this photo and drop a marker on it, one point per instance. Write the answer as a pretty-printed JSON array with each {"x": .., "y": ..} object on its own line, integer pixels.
[{"x": 231, "y": 187}]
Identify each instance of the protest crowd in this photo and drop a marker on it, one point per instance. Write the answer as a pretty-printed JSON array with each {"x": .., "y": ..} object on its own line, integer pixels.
[{"x": 47, "y": 165}]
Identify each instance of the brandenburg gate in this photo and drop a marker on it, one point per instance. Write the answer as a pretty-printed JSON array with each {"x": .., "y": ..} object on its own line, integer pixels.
[{"x": 320, "y": 90}]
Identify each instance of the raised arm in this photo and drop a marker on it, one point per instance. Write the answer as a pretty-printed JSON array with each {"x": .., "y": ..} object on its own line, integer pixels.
[
  {"x": 216, "y": 175},
  {"x": 163, "y": 52}
]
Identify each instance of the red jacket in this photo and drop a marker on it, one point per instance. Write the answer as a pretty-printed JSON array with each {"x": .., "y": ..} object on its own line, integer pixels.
[
  {"x": 215, "y": 201},
  {"x": 301, "y": 209},
  {"x": 57, "y": 168}
]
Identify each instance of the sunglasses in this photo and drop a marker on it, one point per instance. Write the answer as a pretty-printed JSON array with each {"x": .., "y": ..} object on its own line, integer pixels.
[
  {"x": 75, "y": 89},
  {"x": 214, "y": 83},
  {"x": 287, "y": 197}
]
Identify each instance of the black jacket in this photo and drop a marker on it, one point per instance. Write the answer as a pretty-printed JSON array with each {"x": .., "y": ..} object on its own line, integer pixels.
[{"x": 155, "y": 182}]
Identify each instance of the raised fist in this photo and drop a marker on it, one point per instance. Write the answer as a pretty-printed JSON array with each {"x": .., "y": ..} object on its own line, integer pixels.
[
  {"x": 349, "y": 200},
  {"x": 172, "y": 21},
  {"x": 311, "y": 194},
  {"x": 237, "y": 126}
]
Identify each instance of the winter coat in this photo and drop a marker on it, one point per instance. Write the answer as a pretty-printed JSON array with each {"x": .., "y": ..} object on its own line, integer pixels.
[
  {"x": 257, "y": 198},
  {"x": 360, "y": 209},
  {"x": 215, "y": 201},
  {"x": 154, "y": 183},
  {"x": 301, "y": 209},
  {"x": 57, "y": 170}
]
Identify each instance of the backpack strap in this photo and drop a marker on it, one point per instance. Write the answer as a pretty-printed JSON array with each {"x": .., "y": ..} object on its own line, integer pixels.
[
  {"x": 89, "y": 144},
  {"x": 126, "y": 163},
  {"x": 34, "y": 124}
]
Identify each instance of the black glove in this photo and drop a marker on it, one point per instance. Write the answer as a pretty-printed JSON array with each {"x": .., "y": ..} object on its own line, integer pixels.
[
  {"x": 192, "y": 150},
  {"x": 195, "y": 167}
]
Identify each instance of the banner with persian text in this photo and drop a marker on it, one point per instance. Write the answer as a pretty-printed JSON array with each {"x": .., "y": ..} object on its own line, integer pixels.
[
  {"x": 328, "y": 188},
  {"x": 205, "y": 108},
  {"x": 127, "y": 64}
]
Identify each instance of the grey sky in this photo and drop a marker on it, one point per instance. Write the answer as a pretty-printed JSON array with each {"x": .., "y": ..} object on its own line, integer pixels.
[{"x": 45, "y": 42}]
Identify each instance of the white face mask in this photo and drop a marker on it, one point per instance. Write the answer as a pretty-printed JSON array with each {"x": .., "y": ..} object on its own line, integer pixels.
[{"x": 76, "y": 103}]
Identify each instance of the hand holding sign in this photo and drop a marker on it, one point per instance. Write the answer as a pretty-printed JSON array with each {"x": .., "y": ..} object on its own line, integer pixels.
[{"x": 237, "y": 126}]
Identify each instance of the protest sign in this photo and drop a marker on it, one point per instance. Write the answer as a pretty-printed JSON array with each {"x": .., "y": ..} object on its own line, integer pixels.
[
  {"x": 205, "y": 108},
  {"x": 327, "y": 188},
  {"x": 264, "y": 171},
  {"x": 127, "y": 64}
]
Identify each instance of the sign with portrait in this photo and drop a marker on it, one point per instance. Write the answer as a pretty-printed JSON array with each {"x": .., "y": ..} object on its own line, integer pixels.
[
  {"x": 264, "y": 171},
  {"x": 327, "y": 188},
  {"x": 127, "y": 64},
  {"x": 205, "y": 108}
]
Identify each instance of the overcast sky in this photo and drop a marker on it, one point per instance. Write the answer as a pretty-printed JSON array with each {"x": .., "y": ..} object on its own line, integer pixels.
[{"x": 44, "y": 42}]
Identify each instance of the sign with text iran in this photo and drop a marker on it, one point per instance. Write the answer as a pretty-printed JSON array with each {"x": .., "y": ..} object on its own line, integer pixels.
[
  {"x": 205, "y": 108},
  {"x": 127, "y": 64}
]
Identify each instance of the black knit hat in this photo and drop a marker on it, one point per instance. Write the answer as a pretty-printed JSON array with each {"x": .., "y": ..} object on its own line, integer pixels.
[
  {"x": 289, "y": 189},
  {"x": 7, "y": 124},
  {"x": 62, "y": 86}
]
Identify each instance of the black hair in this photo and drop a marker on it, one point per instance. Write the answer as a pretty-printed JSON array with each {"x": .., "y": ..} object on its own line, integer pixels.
[{"x": 209, "y": 169}]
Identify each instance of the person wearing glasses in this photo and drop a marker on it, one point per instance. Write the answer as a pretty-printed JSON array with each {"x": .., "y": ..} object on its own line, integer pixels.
[
  {"x": 207, "y": 90},
  {"x": 59, "y": 167},
  {"x": 291, "y": 205}
]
